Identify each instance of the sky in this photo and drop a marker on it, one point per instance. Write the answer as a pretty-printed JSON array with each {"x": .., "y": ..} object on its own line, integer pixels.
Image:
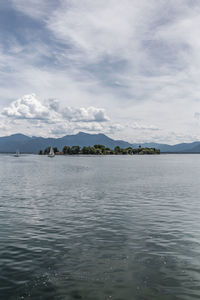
[{"x": 129, "y": 69}]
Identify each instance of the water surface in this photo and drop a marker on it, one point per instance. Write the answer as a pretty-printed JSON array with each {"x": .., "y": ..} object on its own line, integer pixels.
[{"x": 105, "y": 227}]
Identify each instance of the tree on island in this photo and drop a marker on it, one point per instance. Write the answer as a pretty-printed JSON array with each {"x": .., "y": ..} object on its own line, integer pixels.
[
  {"x": 102, "y": 150},
  {"x": 117, "y": 150},
  {"x": 66, "y": 150},
  {"x": 75, "y": 149},
  {"x": 55, "y": 149}
]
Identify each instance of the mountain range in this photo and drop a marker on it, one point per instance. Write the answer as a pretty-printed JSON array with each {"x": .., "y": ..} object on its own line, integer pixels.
[{"x": 33, "y": 144}]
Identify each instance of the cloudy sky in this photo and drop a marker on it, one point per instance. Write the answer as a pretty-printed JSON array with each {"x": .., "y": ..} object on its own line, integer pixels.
[{"x": 129, "y": 69}]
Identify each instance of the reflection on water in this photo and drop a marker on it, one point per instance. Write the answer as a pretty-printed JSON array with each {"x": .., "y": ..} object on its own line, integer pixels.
[{"x": 100, "y": 227}]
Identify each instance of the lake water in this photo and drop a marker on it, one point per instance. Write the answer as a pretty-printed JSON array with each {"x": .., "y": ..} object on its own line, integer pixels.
[{"x": 106, "y": 227}]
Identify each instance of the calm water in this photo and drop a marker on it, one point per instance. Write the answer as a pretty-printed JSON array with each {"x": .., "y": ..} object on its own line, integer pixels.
[{"x": 119, "y": 227}]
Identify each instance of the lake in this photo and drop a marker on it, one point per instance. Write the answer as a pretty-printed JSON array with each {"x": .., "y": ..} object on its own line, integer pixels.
[{"x": 100, "y": 227}]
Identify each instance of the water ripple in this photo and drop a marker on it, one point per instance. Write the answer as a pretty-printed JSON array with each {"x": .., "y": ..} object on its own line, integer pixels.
[{"x": 100, "y": 228}]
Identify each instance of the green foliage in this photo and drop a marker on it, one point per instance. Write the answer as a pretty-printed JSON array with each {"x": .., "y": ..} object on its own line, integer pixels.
[
  {"x": 117, "y": 150},
  {"x": 47, "y": 150},
  {"x": 85, "y": 150},
  {"x": 55, "y": 149},
  {"x": 75, "y": 150},
  {"x": 102, "y": 150},
  {"x": 66, "y": 150},
  {"x": 102, "y": 147}
]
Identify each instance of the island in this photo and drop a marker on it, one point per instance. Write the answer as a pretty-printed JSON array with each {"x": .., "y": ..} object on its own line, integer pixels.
[{"x": 100, "y": 150}]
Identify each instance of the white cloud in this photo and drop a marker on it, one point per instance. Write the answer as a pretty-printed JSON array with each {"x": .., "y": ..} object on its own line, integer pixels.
[
  {"x": 2, "y": 126},
  {"x": 91, "y": 127},
  {"x": 97, "y": 28},
  {"x": 36, "y": 9},
  {"x": 138, "y": 126},
  {"x": 197, "y": 115},
  {"x": 48, "y": 118},
  {"x": 27, "y": 107},
  {"x": 138, "y": 59},
  {"x": 90, "y": 114}
]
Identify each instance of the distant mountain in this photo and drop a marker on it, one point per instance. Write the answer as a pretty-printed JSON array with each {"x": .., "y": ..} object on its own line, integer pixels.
[
  {"x": 13, "y": 142},
  {"x": 27, "y": 144},
  {"x": 183, "y": 147},
  {"x": 196, "y": 148},
  {"x": 34, "y": 144}
]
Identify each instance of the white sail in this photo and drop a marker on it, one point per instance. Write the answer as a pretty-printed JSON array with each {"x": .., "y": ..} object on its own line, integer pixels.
[
  {"x": 51, "y": 153},
  {"x": 17, "y": 154}
]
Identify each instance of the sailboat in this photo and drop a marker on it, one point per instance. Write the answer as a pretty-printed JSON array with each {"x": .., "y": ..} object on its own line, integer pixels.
[
  {"x": 17, "y": 154},
  {"x": 51, "y": 153}
]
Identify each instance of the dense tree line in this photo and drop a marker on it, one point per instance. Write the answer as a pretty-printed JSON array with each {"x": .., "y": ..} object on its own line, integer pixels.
[{"x": 101, "y": 150}]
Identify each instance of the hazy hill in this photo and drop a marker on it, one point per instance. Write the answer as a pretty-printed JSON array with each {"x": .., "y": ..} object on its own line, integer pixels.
[
  {"x": 183, "y": 147},
  {"x": 34, "y": 144},
  {"x": 27, "y": 144}
]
